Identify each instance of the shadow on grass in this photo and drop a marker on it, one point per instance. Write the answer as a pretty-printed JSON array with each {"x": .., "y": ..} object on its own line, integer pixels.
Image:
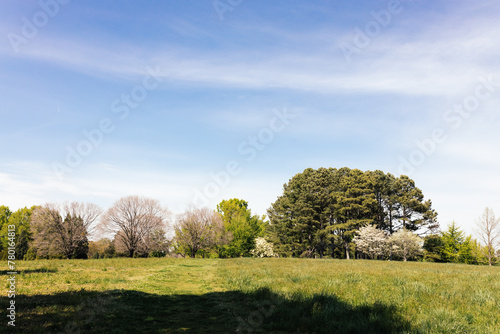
[
  {"x": 29, "y": 271},
  {"x": 126, "y": 311}
]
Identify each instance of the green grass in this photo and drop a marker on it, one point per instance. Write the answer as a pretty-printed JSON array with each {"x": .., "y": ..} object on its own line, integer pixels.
[{"x": 254, "y": 296}]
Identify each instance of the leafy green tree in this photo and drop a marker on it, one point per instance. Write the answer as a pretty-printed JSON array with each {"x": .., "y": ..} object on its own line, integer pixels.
[
  {"x": 433, "y": 248},
  {"x": 5, "y": 214},
  {"x": 232, "y": 208},
  {"x": 21, "y": 220},
  {"x": 242, "y": 225},
  {"x": 481, "y": 253}
]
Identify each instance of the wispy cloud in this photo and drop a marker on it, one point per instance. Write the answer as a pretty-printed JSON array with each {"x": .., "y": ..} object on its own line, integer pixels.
[{"x": 426, "y": 65}]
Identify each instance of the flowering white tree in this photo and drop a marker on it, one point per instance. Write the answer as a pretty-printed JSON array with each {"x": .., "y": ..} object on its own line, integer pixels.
[
  {"x": 262, "y": 248},
  {"x": 406, "y": 244},
  {"x": 371, "y": 241}
]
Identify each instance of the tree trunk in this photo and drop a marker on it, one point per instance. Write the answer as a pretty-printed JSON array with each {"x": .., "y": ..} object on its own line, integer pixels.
[{"x": 347, "y": 250}]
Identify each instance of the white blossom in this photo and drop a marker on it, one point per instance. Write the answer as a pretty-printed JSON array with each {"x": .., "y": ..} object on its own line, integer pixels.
[
  {"x": 406, "y": 244},
  {"x": 371, "y": 241},
  {"x": 262, "y": 248}
]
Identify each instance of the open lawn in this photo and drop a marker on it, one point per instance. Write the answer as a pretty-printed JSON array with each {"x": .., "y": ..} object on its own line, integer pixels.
[{"x": 252, "y": 296}]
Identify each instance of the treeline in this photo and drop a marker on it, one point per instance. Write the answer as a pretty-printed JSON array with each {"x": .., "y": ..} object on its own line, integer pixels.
[
  {"x": 328, "y": 212},
  {"x": 453, "y": 245},
  {"x": 138, "y": 226}
]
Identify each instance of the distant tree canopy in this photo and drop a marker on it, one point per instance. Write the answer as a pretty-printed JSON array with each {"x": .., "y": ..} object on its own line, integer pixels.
[
  {"x": 329, "y": 212},
  {"x": 320, "y": 210},
  {"x": 24, "y": 236},
  {"x": 243, "y": 227}
]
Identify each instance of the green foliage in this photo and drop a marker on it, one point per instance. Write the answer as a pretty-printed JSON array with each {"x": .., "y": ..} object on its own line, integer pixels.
[
  {"x": 453, "y": 239},
  {"x": 321, "y": 210},
  {"x": 232, "y": 208},
  {"x": 81, "y": 250},
  {"x": 433, "y": 248},
  {"x": 5, "y": 214},
  {"x": 458, "y": 248},
  {"x": 244, "y": 227},
  {"x": 21, "y": 220},
  {"x": 98, "y": 249},
  {"x": 30, "y": 255}
]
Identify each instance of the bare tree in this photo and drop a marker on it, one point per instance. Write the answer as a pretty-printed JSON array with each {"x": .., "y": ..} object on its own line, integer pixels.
[
  {"x": 63, "y": 229},
  {"x": 198, "y": 229},
  {"x": 135, "y": 218},
  {"x": 488, "y": 231},
  {"x": 88, "y": 212},
  {"x": 153, "y": 244}
]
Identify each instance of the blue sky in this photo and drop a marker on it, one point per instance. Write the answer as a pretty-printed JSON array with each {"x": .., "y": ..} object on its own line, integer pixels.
[{"x": 198, "y": 101}]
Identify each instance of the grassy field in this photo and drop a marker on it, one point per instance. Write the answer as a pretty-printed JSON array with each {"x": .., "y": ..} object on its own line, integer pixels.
[{"x": 253, "y": 296}]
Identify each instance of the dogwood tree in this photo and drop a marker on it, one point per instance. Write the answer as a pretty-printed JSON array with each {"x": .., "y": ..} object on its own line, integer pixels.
[
  {"x": 262, "y": 248},
  {"x": 371, "y": 241},
  {"x": 406, "y": 244}
]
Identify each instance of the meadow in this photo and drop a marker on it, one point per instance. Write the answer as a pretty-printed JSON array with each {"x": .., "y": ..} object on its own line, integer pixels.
[{"x": 251, "y": 295}]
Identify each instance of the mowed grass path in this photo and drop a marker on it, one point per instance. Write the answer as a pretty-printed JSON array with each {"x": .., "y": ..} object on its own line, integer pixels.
[{"x": 253, "y": 296}]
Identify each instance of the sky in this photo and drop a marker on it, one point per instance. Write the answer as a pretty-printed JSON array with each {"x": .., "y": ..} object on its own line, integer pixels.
[{"x": 192, "y": 102}]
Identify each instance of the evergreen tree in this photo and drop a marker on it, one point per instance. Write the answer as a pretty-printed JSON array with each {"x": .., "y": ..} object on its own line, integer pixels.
[
  {"x": 453, "y": 244},
  {"x": 433, "y": 248},
  {"x": 354, "y": 205},
  {"x": 302, "y": 214},
  {"x": 321, "y": 210}
]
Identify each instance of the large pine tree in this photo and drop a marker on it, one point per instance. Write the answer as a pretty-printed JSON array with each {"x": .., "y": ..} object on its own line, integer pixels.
[{"x": 321, "y": 210}]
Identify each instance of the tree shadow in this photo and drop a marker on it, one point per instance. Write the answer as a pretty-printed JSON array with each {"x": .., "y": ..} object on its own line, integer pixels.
[
  {"x": 127, "y": 311},
  {"x": 29, "y": 271}
]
